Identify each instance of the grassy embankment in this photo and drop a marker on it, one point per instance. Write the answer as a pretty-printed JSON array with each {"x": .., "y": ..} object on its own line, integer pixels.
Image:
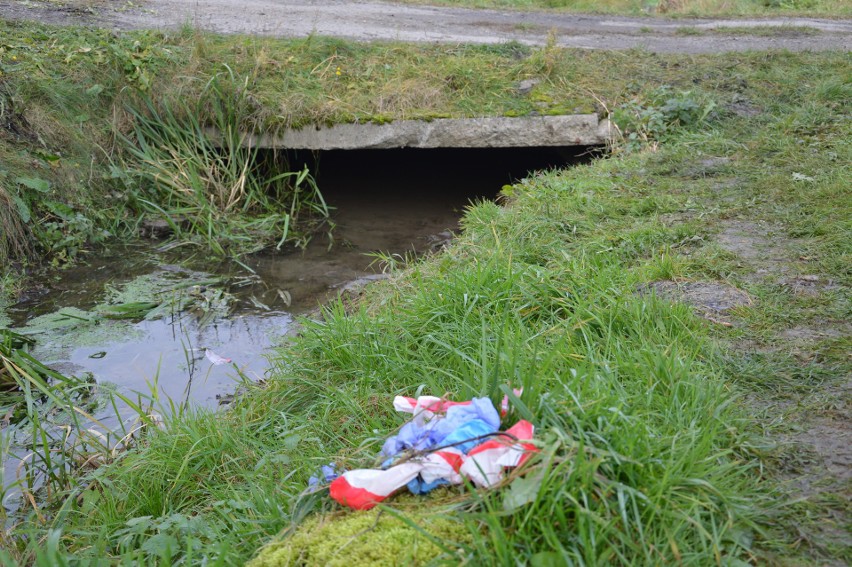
[
  {"x": 697, "y": 8},
  {"x": 657, "y": 425}
]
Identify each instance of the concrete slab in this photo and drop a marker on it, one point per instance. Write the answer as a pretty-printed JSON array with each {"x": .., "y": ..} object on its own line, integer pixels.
[{"x": 497, "y": 132}]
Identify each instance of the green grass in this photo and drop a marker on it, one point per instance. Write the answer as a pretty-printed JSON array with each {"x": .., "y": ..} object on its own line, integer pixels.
[
  {"x": 645, "y": 412},
  {"x": 626, "y": 473},
  {"x": 760, "y": 31}
]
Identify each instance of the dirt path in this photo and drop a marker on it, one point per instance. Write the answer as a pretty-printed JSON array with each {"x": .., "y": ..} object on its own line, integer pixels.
[{"x": 370, "y": 20}]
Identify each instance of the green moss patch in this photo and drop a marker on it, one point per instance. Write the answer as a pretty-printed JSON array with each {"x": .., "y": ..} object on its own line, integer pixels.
[{"x": 375, "y": 537}]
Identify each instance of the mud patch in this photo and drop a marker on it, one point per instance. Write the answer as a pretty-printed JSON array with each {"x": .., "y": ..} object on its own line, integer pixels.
[
  {"x": 807, "y": 334},
  {"x": 709, "y": 167},
  {"x": 832, "y": 442},
  {"x": 726, "y": 184},
  {"x": 809, "y": 285},
  {"x": 711, "y": 300},
  {"x": 760, "y": 245},
  {"x": 743, "y": 107},
  {"x": 820, "y": 461},
  {"x": 748, "y": 240}
]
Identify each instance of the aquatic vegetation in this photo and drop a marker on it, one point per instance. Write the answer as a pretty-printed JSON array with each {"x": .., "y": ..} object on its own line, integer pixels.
[
  {"x": 64, "y": 320},
  {"x": 41, "y": 409},
  {"x": 149, "y": 296},
  {"x": 167, "y": 293},
  {"x": 174, "y": 295},
  {"x": 61, "y": 331},
  {"x": 152, "y": 287}
]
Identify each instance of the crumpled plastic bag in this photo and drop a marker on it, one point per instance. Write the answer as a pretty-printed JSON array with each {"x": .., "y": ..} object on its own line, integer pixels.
[
  {"x": 444, "y": 443},
  {"x": 478, "y": 417},
  {"x": 327, "y": 474}
]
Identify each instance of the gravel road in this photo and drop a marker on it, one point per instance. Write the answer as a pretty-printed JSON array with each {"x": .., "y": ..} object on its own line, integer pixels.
[{"x": 370, "y": 20}]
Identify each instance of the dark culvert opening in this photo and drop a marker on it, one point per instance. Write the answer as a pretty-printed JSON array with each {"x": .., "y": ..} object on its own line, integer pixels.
[
  {"x": 467, "y": 173},
  {"x": 428, "y": 188}
]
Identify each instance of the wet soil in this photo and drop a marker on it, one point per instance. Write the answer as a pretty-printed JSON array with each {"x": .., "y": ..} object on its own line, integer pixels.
[
  {"x": 711, "y": 300},
  {"x": 816, "y": 443},
  {"x": 371, "y": 20},
  {"x": 808, "y": 419}
]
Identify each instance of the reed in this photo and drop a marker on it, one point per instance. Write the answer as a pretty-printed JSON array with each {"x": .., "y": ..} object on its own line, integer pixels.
[{"x": 200, "y": 173}]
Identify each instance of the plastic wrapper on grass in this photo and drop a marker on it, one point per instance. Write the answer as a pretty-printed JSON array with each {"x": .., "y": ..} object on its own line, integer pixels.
[{"x": 444, "y": 443}]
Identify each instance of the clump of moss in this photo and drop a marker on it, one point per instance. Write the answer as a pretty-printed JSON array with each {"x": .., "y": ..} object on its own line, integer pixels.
[{"x": 367, "y": 538}]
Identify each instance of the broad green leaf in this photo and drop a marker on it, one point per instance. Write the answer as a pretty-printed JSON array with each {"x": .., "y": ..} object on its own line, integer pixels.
[
  {"x": 34, "y": 183},
  {"x": 161, "y": 545},
  {"x": 522, "y": 491},
  {"x": 23, "y": 209}
]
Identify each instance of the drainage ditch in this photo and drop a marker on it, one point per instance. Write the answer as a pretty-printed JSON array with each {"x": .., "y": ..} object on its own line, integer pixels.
[{"x": 390, "y": 202}]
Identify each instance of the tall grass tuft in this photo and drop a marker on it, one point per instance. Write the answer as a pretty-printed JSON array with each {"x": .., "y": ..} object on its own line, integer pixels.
[
  {"x": 15, "y": 237},
  {"x": 200, "y": 172}
]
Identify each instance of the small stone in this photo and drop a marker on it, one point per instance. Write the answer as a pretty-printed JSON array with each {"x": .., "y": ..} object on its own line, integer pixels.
[
  {"x": 526, "y": 86},
  {"x": 155, "y": 228}
]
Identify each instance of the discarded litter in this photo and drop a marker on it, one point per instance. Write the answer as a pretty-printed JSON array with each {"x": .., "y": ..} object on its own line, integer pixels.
[
  {"x": 215, "y": 358},
  {"x": 327, "y": 474},
  {"x": 444, "y": 443}
]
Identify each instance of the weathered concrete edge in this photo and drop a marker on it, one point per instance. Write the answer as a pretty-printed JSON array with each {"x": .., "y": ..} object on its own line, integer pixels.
[{"x": 493, "y": 132}]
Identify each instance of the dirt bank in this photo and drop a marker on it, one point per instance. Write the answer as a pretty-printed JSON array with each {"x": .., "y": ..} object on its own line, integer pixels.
[{"x": 377, "y": 20}]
